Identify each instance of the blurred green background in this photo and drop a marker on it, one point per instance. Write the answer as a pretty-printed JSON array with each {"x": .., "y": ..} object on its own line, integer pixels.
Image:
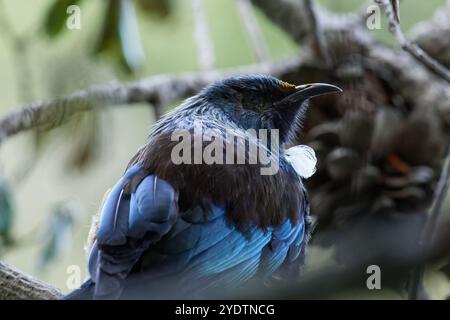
[{"x": 60, "y": 65}]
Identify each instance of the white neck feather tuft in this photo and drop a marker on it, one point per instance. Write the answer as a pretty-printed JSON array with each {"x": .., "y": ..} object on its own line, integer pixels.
[{"x": 303, "y": 159}]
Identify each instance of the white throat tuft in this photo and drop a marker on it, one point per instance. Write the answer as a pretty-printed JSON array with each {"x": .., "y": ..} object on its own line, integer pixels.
[{"x": 303, "y": 159}]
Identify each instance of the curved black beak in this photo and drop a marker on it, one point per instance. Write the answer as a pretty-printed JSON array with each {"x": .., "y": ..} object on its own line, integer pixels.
[{"x": 308, "y": 91}]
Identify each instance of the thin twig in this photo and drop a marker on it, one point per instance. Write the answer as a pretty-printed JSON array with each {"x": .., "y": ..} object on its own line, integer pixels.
[
  {"x": 413, "y": 49},
  {"x": 205, "y": 47},
  {"x": 396, "y": 8},
  {"x": 427, "y": 237},
  {"x": 253, "y": 30},
  {"x": 318, "y": 39}
]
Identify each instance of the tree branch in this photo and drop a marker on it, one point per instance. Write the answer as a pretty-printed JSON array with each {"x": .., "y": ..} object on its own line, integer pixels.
[
  {"x": 290, "y": 15},
  {"x": 412, "y": 80},
  {"x": 319, "y": 43},
  {"x": 16, "y": 285},
  {"x": 413, "y": 49},
  {"x": 427, "y": 237},
  {"x": 294, "y": 17},
  {"x": 433, "y": 35},
  {"x": 157, "y": 89}
]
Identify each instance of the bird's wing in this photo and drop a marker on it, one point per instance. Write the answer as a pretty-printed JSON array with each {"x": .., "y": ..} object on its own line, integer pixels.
[
  {"x": 203, "y": 251},
  {"x": 285, "y": 245},
  {"x": 226, "y": 257},
  {"x": 139, "y": 210},
  {"x": 208, "y": 254},
  {"x": 294, "y": 242}
]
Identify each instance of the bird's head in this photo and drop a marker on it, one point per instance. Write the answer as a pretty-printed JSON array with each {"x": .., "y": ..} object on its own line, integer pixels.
[{"x": 265, "y": 102}]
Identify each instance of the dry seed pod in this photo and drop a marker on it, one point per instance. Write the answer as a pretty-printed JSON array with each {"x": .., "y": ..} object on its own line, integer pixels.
[
  {"x": 356, "y": 131},
  {"x": 386, "y": 127},
  {"x": 409, "y": 193},
  {"x": 327, "y": 133},
  {"x": 396, "y": 182},
  {"x": 321, "y": 151},
  {"x": 421, "y": 138},
  {"x": 367, "y": 178},
  {"x": 325, "y": 200},
  {"x": 344, "y": 213},
  {"x": 382, "y": 202},
  {"x": 421, "y": 175},
  {"x": 342, "y": 163}
]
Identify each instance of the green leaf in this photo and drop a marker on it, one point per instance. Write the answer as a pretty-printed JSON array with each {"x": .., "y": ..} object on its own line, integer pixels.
[
  {"x": 130, "y": 38},
  {"x": 120, "y": 38},
  {"x": 56, "y": 17},
  {"x": 108, "y": 39}
]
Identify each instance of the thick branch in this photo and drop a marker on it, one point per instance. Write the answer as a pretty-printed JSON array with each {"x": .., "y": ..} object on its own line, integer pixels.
[
  {"x": 433, "y": 35},
  {"x": 158, "y": 89},
  {"x": 290, "y": 15},
  {"x": 294, "y": 17},
  {"x": 318, "y": 40},
  {"x": 412, "y": 80},
  {"x": 431, "y": 224},
  {"x": 16, "y": 285}
]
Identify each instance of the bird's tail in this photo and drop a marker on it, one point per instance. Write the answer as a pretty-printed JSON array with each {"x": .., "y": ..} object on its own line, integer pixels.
[{"x": 85, "y": 292}]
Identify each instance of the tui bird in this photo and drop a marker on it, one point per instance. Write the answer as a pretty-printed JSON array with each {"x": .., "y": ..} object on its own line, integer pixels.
[{"x": 170, "y": 229}]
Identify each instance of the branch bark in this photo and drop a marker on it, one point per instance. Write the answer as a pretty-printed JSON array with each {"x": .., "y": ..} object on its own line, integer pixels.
[
  {"x": 319, "y": 43},
  {"x": 413, "y": 49},
  {"x": 16, "y": 285},
  {"x": 413, "y": 81},
  {"x": 431, "y": 224},
  {"x": 433, "y": 35},
  {"x": 160, "y": 89},
  {"x": 294, "y": 17},
  {"x": 290, "y": 15}
]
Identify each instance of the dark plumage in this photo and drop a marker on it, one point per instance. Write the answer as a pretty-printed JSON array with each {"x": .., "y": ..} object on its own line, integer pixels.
[{"x": 171, "y": 229}]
